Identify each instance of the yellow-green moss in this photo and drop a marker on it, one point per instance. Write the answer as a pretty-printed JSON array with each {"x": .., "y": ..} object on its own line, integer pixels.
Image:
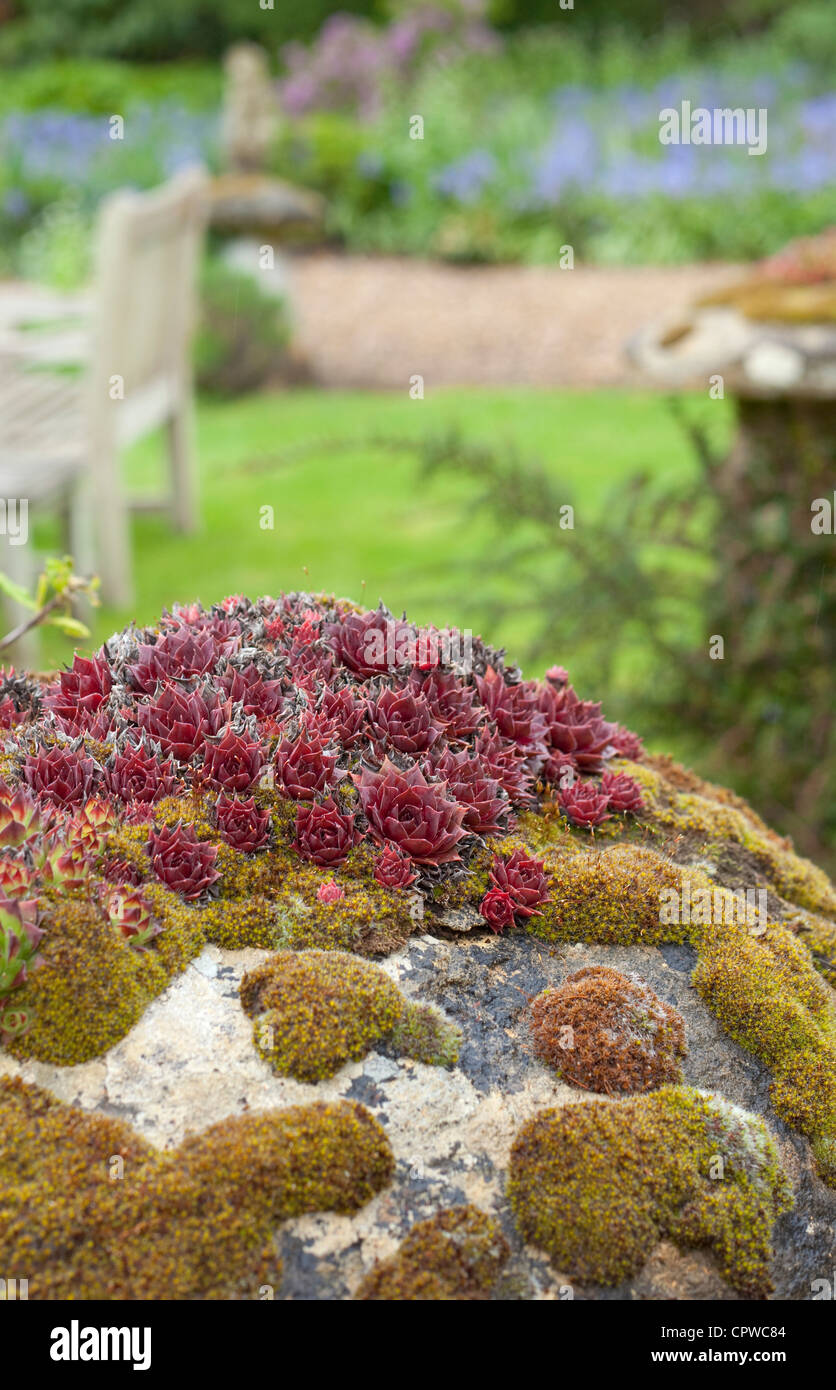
[
  {"x": 609, "y": 895},
  {"x": 598, "y": 1185},
  {"x": 701, "y": 812},
  {"x": 456, "y": 1255},
  {"x": 315, "y": 1010},
  {"x": 769, "y": 998},
  {"x": 194, "y": 1222},
  {"x": 91, "y": 986}
]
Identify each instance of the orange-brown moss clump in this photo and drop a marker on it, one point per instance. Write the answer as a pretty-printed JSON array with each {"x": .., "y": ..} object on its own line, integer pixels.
[
  {"x": 608, "y": 1032},
  {"x": 315, "y": 1010},
  {"x": 456, "y": 1255},
  {"x": 90, "y": 1210},
  {"x": 598, "y": 1185}
]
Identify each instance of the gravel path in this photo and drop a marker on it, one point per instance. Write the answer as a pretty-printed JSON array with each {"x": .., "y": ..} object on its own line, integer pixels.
[{"x": 367, "y": 322}]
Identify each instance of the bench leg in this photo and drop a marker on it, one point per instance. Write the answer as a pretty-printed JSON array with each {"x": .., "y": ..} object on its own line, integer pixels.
[
  {"x": 183, "y": 473},
  {"x": 18, "y": 562},
  {"x": 80, "y": 540},
  {"x": 112, "y": 533}
]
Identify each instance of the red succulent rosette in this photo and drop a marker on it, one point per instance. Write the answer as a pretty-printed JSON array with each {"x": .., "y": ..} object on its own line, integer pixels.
[
  {"x": 393, "y": 869},
  {"x": 622, "y": 792},
  {"x": 324, "y": 834},
  {"x": 181, "y": 861},
  {"x": 232, "y": 762},
  {"x": 405, "y": 721},
  {"x": 60, "y": 774},
  {"x": 584, "y": 803},
  {"x": 241, "y": 824},
  {"x": 413, "y": 814},
  {"x": 498, "y": 908},
  {"x": 524, "y": 879},
  {"x": 137, "y": 774},
  {"x": 304, "y": 768},
  {"x": 181, "y": 721}
]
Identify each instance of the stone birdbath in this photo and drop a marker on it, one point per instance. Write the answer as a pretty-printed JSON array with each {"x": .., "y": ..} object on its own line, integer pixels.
[
  {"x": 770, "y": 341},
  {"x": 249, "y": 207}
]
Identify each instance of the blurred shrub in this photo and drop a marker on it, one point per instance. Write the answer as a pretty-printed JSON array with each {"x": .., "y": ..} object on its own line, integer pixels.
[
  {"x": 57, "y": 249},
  {"x": 151, "y": 31},
  {"x": 243, "y": 333}
]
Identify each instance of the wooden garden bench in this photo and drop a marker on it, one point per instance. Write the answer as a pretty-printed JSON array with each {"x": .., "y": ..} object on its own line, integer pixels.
[{"x": 61, "y": 434}]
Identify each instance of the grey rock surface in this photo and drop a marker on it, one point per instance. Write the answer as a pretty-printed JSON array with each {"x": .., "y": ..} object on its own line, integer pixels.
[{"x": 191, "y": 1061}]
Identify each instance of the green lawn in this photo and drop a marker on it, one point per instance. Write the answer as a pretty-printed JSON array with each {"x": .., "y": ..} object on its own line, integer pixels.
[{"x": 355, "y": 520}]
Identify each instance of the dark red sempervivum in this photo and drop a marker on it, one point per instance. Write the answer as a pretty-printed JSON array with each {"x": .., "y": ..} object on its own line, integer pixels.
[
  {"x": 372, "y": 643},
  {"x": 181, "y": 861},
  {"x": 584, "y": 803},
  {"x": 181, "y": 721},
  {"x": 524, "y": 879},
  {"x": 311, "y": 664},
  {"x": 405, "y": 721},
  {"x": 248, "y": 687},
  {"x": 136, "y": 774},
  {"x": 304, "y": 768},
  {"x": 393, "y": 869},
  {"x": 622, "y": 792},
  {"x": 232, "y": 762},
  {"x": 241, "y": 824},
  {"x": 59, "y": 774},
  {"x": 182, "y": 654},
  {"x": 451, "y": 700},
  {"x": 479, "y": 793},
  {"x": 415, "y": 815},
  {"x": 80, "y": 692},
  {"x": 575, "y": 726},
  {"x": 504, "y": 761},
  {"x": 497, "y": 907},
  {"x": 339, "y": 715},
  {"x": 514, "y": 710},
  {"x": 323, "y": 833}
]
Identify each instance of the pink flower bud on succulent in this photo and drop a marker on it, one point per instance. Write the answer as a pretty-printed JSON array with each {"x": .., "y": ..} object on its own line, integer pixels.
[{"x": 330, "y": 892}]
